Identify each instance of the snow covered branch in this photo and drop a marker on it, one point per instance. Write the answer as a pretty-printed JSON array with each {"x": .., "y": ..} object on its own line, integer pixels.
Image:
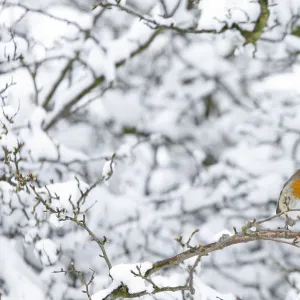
[
  {"x": 251, "y": 36},
  {"x": 276, "y": 235},
  {"x": 64, "y": 111},
  {"x": 79, "y": 214},
  {"x": 226, "y": 240}
]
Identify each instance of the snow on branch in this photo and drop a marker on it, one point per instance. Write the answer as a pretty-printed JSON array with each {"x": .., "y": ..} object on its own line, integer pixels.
[
  {"x": 65, "y": 201},
  {"x": 210, "y": 8},
  {"x": 133, "y": 281}
]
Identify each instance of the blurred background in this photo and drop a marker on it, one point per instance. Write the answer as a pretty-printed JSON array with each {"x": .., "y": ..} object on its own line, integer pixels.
[{"x": 205, "y": 124}]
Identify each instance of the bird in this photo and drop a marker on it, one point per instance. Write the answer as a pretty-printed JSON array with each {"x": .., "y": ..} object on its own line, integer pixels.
[{"x": 289, "y": 200}]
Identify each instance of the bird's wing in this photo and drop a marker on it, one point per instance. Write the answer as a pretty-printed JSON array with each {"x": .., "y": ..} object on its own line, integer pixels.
[{"x": 278, "y": 211}]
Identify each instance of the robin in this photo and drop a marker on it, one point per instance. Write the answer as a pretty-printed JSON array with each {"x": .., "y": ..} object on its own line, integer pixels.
[{"x": 289, "y": 199}]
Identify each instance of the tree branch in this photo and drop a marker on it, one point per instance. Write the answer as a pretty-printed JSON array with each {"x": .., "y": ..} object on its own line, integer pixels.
[
  {"x": 238, "y": 238},
  {"x": 250, "y": 36},
  {"x": 63, "y": 112}
]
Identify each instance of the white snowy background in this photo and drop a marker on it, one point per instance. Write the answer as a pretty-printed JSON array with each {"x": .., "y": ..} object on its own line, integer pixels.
[{"x": 197, "y": 130}]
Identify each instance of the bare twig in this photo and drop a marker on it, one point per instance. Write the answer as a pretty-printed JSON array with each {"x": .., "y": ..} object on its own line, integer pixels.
[
  {"x": 60, "y": 213},
  {"x": 80, "y": 276}
]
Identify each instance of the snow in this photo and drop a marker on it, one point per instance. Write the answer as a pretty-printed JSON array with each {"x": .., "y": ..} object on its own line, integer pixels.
[
  {"x": 268, "y": 186},
  {"x": 214, "y": 13},
  {"x": 281, "y": 82},
  {"x": 62, "y": 194},
  {"x": 208, "y": 293},
  {"x": 157, "y": 17},
  {"x": 69, "y": 14},
  {"x": 292, "y": 43},
  {"x": 46, "y": 251},
  {"x": 8, "y": 112},
  {"x": 100, "y": 62},
  {"x": 40, "y": 146},
  {"x": 195, "y": 199},
  {"x": 205, "y": 131},
  {"x": 121, "y": 48},
  {"x": 163, "y": 156},
  {"x": 100, "y": 295},
  {"x": 37, "y": 117},
  {"x": 122, "y": 274},
  {"x": 12, "y": 48},
  {"x": 293, "y": 294},
  {"x": 223, "y": 234},
  {"x": 54, "y": 220},
  {"x": 163, "y": 180},
  {"x": 31, "y": 235},
  {"x": 251, "y": 158},
  {"x": 125, "y": 150},
  {"x": 17, "y": 274}
]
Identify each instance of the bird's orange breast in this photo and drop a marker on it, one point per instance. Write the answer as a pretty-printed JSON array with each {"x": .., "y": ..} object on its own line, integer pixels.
[{"x": 296, "y": 188}]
